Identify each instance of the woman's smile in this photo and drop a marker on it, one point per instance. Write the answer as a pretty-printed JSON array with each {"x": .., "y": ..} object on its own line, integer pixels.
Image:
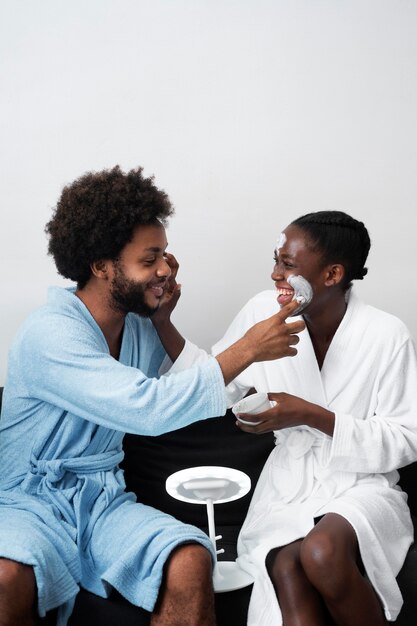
[{"x": 285, "y": 295}]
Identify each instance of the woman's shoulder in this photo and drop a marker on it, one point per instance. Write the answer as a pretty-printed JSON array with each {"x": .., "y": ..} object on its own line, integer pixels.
[
  {"x": 263, "y": 303},
  {"x": 382, "y": 324}
]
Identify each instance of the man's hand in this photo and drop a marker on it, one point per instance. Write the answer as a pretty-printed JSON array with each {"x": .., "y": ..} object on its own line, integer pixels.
[
  {"x": 289, "y": 411},
  {"x": 270, "y": 339},
  {"x": 273, "y": 338}
]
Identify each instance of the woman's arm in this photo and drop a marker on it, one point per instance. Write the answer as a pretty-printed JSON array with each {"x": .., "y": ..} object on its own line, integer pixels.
[
  {"x": 290, "y": 411},
  {"x": 170, "y": 337},
  {"x": 377, "y": 443}
]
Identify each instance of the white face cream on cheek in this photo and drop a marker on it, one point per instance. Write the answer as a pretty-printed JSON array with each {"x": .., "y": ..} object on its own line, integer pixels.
[{"x": 303, "y": 291}]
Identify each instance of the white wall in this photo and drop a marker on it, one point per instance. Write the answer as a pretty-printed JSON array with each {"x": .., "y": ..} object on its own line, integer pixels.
[{"x": 248, "y": 112}]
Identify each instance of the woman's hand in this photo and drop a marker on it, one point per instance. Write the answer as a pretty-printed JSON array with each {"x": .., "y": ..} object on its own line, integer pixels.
[
  {"x": 171, "y": 339},
  {"x": 171, "y": 294},
  {"x": 289, "y": 411}
]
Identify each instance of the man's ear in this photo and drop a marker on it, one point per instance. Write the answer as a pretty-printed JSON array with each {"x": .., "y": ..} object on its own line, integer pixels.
[
  {"x": 335, "y": 275},
  {"x": 100, "y": 269}
]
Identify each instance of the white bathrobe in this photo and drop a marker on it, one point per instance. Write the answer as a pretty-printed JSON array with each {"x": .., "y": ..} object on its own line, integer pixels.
[{"x": 369, "y": 380}]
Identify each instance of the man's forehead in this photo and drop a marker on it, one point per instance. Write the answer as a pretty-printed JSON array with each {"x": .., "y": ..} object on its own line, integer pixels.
[
  {"x": 149, "y": 237},
  {"x": 156, "y": 248}
]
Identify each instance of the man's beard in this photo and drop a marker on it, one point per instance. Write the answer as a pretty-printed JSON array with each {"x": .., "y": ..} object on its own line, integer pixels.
[{"x": 128, "y": 296}]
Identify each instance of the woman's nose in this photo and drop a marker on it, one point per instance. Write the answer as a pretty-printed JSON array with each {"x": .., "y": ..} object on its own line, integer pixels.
[{"x": 277, "y": 272}]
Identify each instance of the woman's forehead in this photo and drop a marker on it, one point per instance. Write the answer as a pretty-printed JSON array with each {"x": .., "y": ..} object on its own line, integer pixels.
[
  {"x": 291, "y": 233},
  {"x": 293, "y": 241}
]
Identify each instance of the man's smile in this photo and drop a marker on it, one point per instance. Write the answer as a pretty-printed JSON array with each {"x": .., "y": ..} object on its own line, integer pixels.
[{"x": 158, "y": 288}]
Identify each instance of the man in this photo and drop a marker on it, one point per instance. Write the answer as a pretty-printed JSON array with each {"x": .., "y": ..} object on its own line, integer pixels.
[{"x": 85, "y": 369}]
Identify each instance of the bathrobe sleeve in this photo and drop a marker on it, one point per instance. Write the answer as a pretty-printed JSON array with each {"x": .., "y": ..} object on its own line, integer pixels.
[
  {"x": 65, "y": 363},
  {"x": 258, "y": 308},
  {"x": 191, "y": 355},
  {"x": 387, "y": 439}
]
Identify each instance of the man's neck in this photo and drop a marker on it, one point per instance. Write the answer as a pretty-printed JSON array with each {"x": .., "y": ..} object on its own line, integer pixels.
[{"x": 110, "y": 321}]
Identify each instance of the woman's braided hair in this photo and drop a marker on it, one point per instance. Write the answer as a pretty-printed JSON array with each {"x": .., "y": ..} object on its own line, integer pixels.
[{"x": 340, "y": 239}]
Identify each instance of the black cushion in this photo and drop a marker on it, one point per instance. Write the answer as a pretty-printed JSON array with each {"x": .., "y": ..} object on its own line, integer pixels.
[
  {"x": 407, "y": 580},
  {"x": 150, "y": 460},
  {"x": 408, "y": 482},
  {"x": 148, "y": 463}
]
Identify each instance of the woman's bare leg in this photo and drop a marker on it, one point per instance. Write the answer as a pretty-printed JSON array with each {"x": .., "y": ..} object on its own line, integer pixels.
[
  {"x": 300, "y": 603},
  {"x": 330, "y": 558}
]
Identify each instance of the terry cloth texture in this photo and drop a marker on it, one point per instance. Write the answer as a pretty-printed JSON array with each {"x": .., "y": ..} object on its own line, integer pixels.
[
  {"x": 66, "y": 406},
  {"x": 369, "y": 380}
]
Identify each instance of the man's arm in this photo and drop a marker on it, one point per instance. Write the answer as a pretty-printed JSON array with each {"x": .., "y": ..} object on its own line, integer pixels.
[
  {"x": 270, "y": 339},
  {"x": 267, "y": 340}
]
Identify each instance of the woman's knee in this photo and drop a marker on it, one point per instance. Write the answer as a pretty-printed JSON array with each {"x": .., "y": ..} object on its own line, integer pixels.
[
  {"x": 327, "y": 561},
  {"x": 318, "y": 552},
  {"x": 283, "y": 563}
]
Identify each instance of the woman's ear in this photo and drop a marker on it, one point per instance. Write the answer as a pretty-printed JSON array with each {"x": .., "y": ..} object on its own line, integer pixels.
[
  {"x": 335, "y": 275},
  {"x": 100, "y": 269}
]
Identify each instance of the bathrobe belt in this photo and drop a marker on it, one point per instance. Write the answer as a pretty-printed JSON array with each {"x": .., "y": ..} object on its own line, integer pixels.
[
  {"x": 79, "y": 500},
  {"x": 55, "y": 469},
  {"x": 298, "y": 441}
]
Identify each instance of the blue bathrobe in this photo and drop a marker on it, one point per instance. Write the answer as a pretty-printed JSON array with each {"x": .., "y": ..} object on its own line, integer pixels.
[{"x": 66, "y": 406}]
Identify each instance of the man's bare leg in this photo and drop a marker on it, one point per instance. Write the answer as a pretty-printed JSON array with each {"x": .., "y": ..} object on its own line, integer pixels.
[
  {"x": 17, "y": 594},
  {"x": 186, "y": 597}
]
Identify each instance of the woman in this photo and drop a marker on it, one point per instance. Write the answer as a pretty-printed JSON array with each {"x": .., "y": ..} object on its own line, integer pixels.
[{"x": 328, "y": 528}]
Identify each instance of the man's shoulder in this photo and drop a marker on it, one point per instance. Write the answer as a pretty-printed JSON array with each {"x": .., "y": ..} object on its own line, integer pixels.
[{"x": 60, "y": 319}]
